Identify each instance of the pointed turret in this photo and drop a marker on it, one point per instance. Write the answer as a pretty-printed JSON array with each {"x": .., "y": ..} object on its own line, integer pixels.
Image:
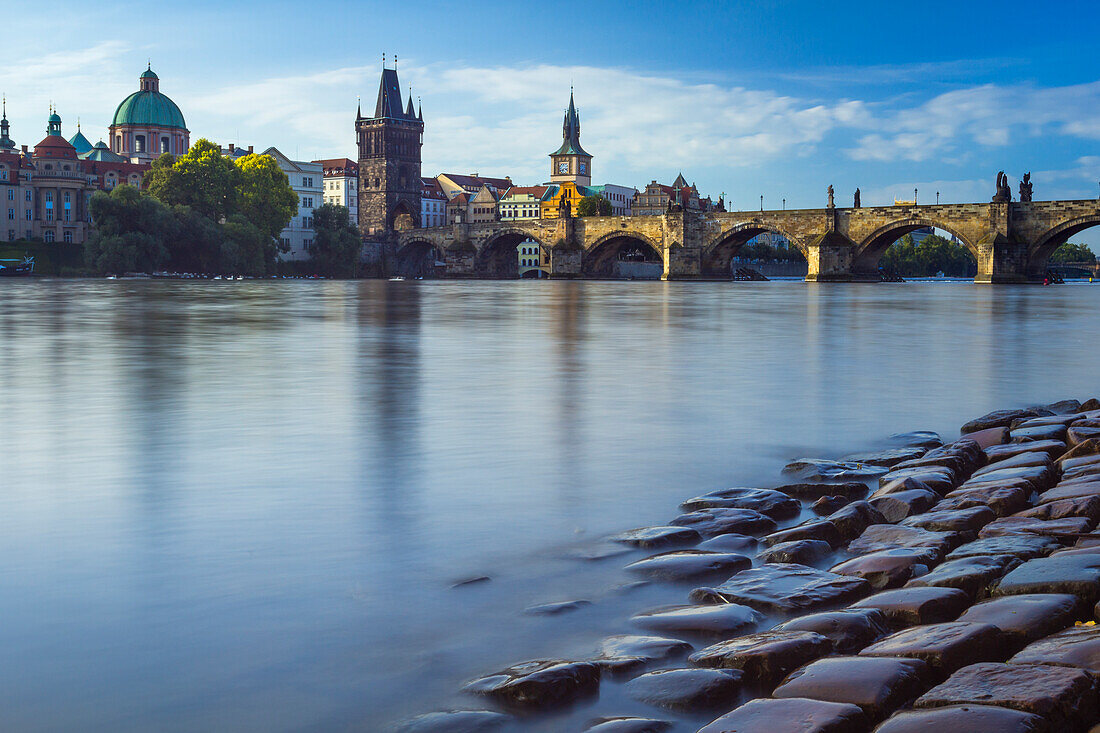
[
  {"x": 420, "y": 109},
  {"x": 389, "y": 96},
  {"x": 410, "y": 111},
  {"x": 7, "y": 145}
]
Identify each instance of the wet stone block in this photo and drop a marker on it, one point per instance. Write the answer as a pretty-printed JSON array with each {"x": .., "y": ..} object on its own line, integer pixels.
[
  {"x": 1039, "y": 477},
  {"x": 1052, "y": 448},
  {"x": 896, "y": 506},
  {"x": 989, "y": 437},
  {"x": 820, "y": 529},
  {"x": 887, "y": 568},
  {"x": 952, "y": 520},
  {"x": 711, "y": 522},
  {"x": 944, "y": 647},
  {"x": 796, "y": 714},
  {"x": 852, "y": 519},
  {"x": 784, "y": 588},
  {"x": 626, "y": 652},
  {"x": 1031, "y": 525},
  {"x": 888, "y": 457},
  {"x": 973, "y": 575},
  {"x": 810, "y": 491},
  {"x": 1064, "y": 697},
  {"x": 1003, "y": 500},
  {"x": 1029, "y": 458},
  {"x": 765, "y": 657},
  {"x": 926, "y": 439},
  {"x": 1070, "y": 490},
  {"x": 877, "y": 685},
  {"x": 963, "y": 719},
  {"x": 1080, "y": 506},
  {"x": 1024, "y": 547},
  {"x": 1077, "y": 646},
  {"x": 803, "y": 552},
  {"x": 689, "y": 564},
  {"x": 657, "y": 537},
  {"x": 687, "y": 689},
  {"x": 455, "y": 721},
  {"x": 940, "y": 480},
  {"x": 722, "y": 620},
  {"x": 1038, "y": 432},
  {"x": 997, "y": 419},
  {"x": 820, "y": 469},
  {"x": 729, "y": 542},
  {"x": 914, "y": 606},
  {"x": 775, "y": 504},
  {"x": 1077, "y": 575},
  {"x": 628, "y": 725},
  {"x": 828, "y": 504},
  {"x": 849, "y": 629},
  {"x": 880, "y": 537},
  {"x": 539, "y": 684}
]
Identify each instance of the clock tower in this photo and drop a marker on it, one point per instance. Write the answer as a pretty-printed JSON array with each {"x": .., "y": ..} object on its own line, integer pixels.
[{"x": 570, "y": 162}]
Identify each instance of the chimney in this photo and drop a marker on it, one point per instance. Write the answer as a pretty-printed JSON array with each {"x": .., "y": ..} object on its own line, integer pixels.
[
  {"x": 250, "y": 150},
  {"x": 24, "y": 150},
  {"x": 232, "y": 148}
]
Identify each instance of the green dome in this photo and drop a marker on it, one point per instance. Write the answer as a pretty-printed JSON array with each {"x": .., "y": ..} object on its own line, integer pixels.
[
  {"x": 149, "y": 74},
  {"x": 149, "y": 108},
  {"x": 54, "y": 118}
]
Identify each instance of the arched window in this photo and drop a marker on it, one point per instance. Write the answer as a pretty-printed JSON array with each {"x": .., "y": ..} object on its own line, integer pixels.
[
  {"x": 68, "y": 237},
  {"x": 49, "y": 235}
]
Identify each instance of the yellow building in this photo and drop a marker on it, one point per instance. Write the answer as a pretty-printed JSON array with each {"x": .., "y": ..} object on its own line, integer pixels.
[{"x": 550, "y": 207}]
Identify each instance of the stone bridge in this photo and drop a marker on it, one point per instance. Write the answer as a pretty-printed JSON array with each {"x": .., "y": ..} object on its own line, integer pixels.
[{"x": 1011, "y": 241}]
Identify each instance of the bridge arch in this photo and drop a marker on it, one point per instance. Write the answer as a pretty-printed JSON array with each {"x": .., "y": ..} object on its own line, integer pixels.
[
  {"x": 497, "y": 256},
  {"x": 718, "y": 254},
  {"x": 870, "y": 250},
  {"x": 599, "y": 257},
  {"x": 418, "y": 257},
  {"x": 1038, "y": 254}
]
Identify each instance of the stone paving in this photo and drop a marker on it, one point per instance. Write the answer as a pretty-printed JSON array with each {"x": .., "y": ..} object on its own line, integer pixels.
[{"x": 962, "y": 595}]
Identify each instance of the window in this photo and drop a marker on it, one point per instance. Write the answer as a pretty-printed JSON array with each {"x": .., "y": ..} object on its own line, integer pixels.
[
  {"x": 3, "y": 174},
  {"x": 49, "y": 236},
  {"x": 307, "y": 201},
  {"x": 27, "y": 195},
  {"x": 30, "y": 234},
  {"x": 68, "y": 211},
  {"x": 139, "y": 143},
  {"x": 307, "y": 243},
  {"x": 118, "y": 143},
  {"x": 69, "y": 237},
  {"x": 11, "y": 194},
  {"x": 49, "y": 214},
  {"x": 11, "y": 235},
  {"x": 11, "y": 214},
  {"x": 307, "y": 221},
  {"x": 68, "y": 199},
  {"x": 307, "y": 182},
  {"x": 28, "y": 214},
  {"x": 49, "y": 198},
  {"x": 164, "y": 145}
]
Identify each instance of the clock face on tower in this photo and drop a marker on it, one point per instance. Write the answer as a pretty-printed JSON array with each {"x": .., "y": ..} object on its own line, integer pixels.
[{"x": 563, "y": 166}]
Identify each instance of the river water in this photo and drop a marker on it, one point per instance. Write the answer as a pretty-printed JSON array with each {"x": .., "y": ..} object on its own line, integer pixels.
[{"x": 243, "y": 505}]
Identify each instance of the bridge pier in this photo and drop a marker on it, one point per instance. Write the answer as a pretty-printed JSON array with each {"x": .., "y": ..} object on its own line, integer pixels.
[
  {"x": 829, "y": 260},
  {"x": 565, "y": 262},
  {"x": 682, "y": 263},
  {"x": 460, "y": 262}
]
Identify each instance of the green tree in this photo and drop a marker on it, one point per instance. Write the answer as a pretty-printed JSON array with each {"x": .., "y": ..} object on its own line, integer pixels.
[
  {"x": 1070, "y": 252},
  {"x": 594, "y": 205},
  {"x": 193, "y": 242},
  {"x": 264, "y": 194},
  {"x": 202, "y": 179},
  {"x": 336, "y": 245},
  {"x": 130, "y": 232},
  {"x": 932, "y": 256},
  {"x": 245, "y": 250}
]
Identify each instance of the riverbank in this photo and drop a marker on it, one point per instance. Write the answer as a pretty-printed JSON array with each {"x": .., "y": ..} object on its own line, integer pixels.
[{"x": 914, "y": 586}]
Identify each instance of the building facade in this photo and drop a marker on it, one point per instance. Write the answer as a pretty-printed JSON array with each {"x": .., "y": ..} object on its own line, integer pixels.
[
  {"x": 307, "y": 179},
  {"x": 453, "y": 184},
  {"x": 148, "y": 124},
  {"x": 389, "y": 161},
  {"x": 621, "y": 198},
  {"x": 657, "y": 198},
  {"x": 433, "y": 204},
  {"x": 570, "y": 163},
  {"x": 483, "y": 207},
  {"x": 534, "y": 261},
  {"x": 341, "y": 185},
  {"x": 521, "y": 203}
]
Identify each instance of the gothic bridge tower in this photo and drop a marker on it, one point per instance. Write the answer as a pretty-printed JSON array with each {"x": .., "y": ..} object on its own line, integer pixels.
[{"x": 389, "y": 161}]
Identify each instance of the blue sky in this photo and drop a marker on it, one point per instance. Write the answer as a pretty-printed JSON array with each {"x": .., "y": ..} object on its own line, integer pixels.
[{"x": 778, "y": 99}]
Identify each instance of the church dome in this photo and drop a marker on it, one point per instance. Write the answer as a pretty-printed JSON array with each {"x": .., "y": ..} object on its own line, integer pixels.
[{"x": 148, "y": 107}]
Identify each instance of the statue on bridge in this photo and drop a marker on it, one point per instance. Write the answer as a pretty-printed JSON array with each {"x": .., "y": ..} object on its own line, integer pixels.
[
  {"x": 565, "y": 211},
  {"x": 856, "y": 204},
  {"x": 1004, "y": 193},
  {"x": 832, "y": 204},
  {"x": 1025, "y": 187}
]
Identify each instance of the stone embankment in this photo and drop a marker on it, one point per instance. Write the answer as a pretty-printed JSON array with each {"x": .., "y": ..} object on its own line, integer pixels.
[{"x": 927, "y": 587}]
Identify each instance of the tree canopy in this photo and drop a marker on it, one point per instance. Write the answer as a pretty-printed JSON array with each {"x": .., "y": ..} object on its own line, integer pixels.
[
  {"x": 264, "y": 195},
  {"x": 933, "y": 255},
  {"x": 336, "y": 245},
  {"x": 594, "y": 205},
  {"x": 131, "y": 229},
  {"x": 202, "y": 179},
  {"x": 1070, "y": 252}
]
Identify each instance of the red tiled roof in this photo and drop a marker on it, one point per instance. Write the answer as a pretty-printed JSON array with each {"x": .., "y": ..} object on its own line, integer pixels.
[
  {"x": 536, "y": 191},
  {"x": 339, "y": 165},
  {"x": 55, "y": 146},
  {"x": 478, "y": 181}
]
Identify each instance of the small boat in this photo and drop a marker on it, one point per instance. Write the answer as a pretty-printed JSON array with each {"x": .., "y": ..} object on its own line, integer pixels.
[
  {"x": 397, "y": 279},
  {"x": 17, "y": 268}
]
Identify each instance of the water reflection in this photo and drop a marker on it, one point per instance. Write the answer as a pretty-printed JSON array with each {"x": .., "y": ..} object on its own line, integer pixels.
[{"x": 242, "y": 505}]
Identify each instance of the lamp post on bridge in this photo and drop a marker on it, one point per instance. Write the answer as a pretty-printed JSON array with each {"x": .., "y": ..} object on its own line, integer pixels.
[
  {"x": 914, "y": 197},
  {"x": 937, "y": 198},
  {"x": 784, "y": 204},
  {"x": 761, "y": 202}
]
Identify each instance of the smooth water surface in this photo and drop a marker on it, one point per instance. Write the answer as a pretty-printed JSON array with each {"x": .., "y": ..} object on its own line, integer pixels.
[{"x": 242, "y": 505}]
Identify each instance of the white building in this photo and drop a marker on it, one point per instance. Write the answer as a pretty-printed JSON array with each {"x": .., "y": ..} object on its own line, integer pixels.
[
  {"x": 521, "y": 203},
  {"x": 341, "y": 185},
  {"x": 621, "y": 197},
  {"x": 306, "y": 179}
]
